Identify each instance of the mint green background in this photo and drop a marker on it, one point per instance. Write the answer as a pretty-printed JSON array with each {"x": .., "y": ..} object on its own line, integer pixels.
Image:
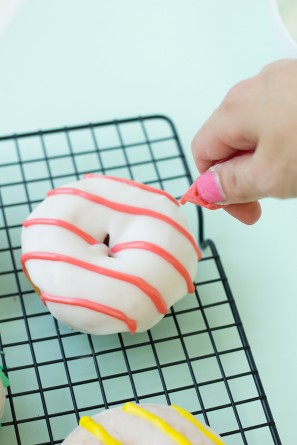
[{"x": 69, "y": 61}]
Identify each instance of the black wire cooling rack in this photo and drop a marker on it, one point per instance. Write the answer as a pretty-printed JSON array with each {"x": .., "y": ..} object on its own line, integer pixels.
[{"x": 197, "y": 357}]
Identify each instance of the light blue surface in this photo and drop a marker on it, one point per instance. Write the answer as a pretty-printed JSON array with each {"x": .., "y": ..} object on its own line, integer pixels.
[{"x": 67, "y": 62}]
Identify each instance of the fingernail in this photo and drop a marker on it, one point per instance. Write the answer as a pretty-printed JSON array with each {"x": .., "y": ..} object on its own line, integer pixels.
[{"x": 209, "y": 187}]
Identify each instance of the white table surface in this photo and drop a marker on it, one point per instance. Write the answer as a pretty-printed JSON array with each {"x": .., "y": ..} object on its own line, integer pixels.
[{"x": 66, "y": 62}]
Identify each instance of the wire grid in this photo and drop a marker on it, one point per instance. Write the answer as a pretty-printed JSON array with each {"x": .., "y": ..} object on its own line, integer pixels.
[{"x": 198, "y": 356}]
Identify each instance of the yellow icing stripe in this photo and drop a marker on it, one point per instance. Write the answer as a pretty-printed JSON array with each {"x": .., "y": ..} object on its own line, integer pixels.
[
  {"x": 199, "y": 425},
  {"x": 98, "y": 431},
  {"x": 156, "y": 421}
]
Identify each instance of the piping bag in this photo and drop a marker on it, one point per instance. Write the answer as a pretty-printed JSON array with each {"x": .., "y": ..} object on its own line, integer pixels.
[{"x": 192, "y": 194}]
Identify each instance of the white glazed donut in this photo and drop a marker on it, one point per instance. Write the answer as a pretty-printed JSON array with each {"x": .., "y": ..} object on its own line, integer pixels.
[
  {"x": 4, "y": 383},
  {"x": 109, "y": 255},
  {"x": 142, "y": 425},
  {"x": 2, "y": 398}
]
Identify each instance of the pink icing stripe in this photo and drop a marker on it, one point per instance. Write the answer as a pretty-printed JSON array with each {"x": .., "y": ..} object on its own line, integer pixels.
[
  {"x": 126, "y": 209},
  {"x": 133, "y": 184},
  {"x": 145, "y": 287},
  {"x": 88, "y": 304},
  {"x": 66, "y": 225},
  {"x": 128, "y": 245},
  {"x": 160, "y": 252}
]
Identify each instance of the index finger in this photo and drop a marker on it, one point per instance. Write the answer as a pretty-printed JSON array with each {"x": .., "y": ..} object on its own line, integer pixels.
[{"x": 218, "y": 140}]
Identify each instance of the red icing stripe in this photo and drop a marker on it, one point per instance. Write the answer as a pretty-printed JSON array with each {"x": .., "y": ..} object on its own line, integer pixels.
[
  {"x": 88, "y": 304},
  {"x": 160, "y": 252},
  {"x": 128, "y": 245},
  {"x": 145, "y": 287},
  {"x": 126, "y": 209},
  {"x": 133, "y": 184},
  {"x": 60, "y": 223}
]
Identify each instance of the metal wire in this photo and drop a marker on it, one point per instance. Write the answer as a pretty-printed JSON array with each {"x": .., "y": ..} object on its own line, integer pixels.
[{"x": 198, "y": 356}]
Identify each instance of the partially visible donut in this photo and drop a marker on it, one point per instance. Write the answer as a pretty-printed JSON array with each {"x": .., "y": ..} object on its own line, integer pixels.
[
  {"x": 145, "y": 424},
  {"x": 109, "y": 255},
  {"x": 4, "y": 383}
]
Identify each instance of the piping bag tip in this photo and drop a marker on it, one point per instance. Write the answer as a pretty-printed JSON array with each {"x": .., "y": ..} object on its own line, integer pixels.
[{"x": 193, "y": 197}]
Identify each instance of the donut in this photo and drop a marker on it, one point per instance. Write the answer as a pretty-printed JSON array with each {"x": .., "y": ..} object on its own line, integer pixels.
[
  {"x": 4, "y": 383},
  {"x": 146, "y": 424},
  {"x": 109, "y": 255}
]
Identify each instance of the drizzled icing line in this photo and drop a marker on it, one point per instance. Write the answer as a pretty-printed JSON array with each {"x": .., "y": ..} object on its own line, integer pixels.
[
  {"x": 176, "y": 436},
  {"x": 143, "y": 285},
  {"x": 151, "y": 247},
  {"x": 60, "y": 223},
  {"x": 209, "y": 434},
  {"x": 88, "y": 304},
  {"x": 98, "y": 431},
  {"x": 133, "y": 184},
  {"x": 126, "y": 209}
]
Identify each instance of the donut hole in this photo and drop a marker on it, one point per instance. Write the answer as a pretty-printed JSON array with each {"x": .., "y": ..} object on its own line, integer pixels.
[{"x": 106, "y": 241}]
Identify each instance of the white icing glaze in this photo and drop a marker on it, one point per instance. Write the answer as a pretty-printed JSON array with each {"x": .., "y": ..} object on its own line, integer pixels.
[
  {"x": 130, "y": 429},
  {"x": 69, "y": 281}
]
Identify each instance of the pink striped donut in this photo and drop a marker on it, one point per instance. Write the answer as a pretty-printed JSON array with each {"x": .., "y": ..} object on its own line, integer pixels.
[{"x": 109, "y": 255}]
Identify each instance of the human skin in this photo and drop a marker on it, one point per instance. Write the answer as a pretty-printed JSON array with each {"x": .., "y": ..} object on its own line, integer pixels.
[{"x": 257, "y": 119}]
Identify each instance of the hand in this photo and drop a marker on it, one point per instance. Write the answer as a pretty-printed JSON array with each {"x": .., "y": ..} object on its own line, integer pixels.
[{"x": 257, "y": 120}]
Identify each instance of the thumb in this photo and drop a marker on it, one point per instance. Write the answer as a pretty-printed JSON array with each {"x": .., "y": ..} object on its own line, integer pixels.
[{"x": 231, "y": 182}]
